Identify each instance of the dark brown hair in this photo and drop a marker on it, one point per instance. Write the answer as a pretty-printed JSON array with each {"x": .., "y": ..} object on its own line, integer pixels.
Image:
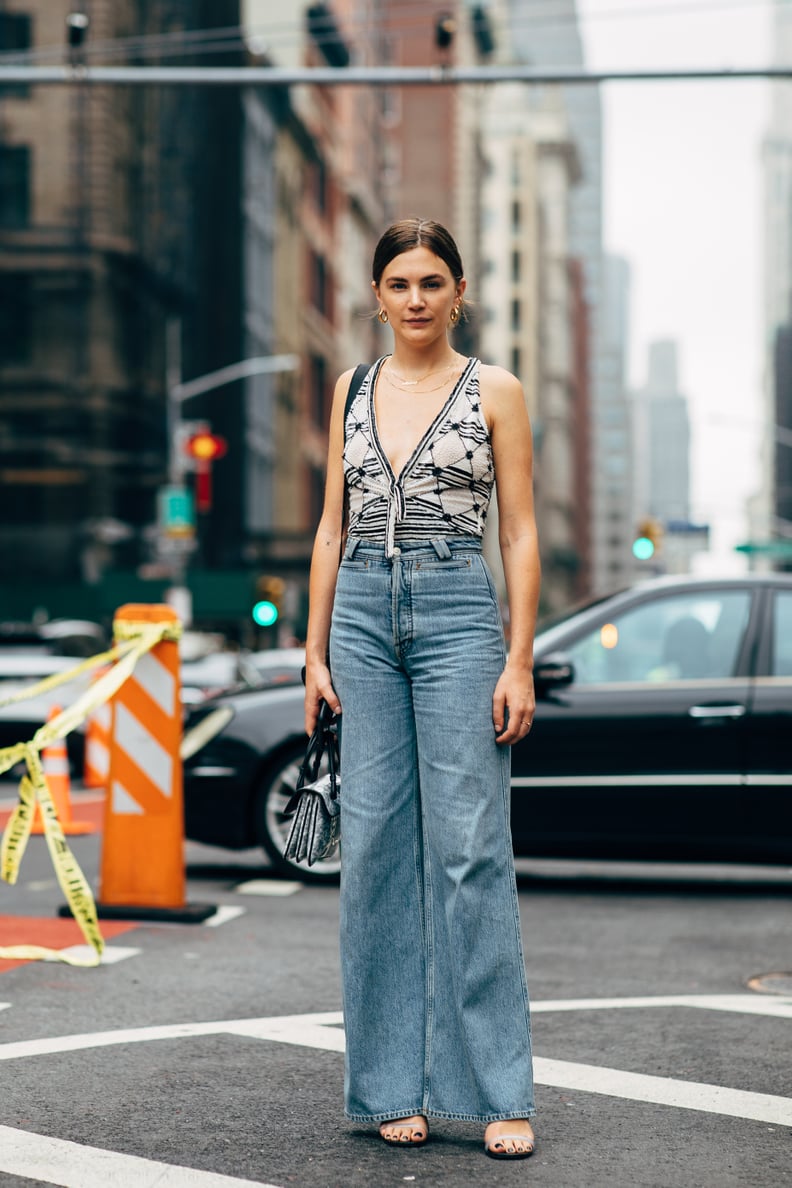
[{"x": 412, "y": 233}]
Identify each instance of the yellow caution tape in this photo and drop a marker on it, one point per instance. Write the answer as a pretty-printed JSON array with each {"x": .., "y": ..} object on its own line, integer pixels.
[
  {"x": 63, "y": 678},
  {"x": 132, "y": 629},
  {"x": 33, "y": 789}
]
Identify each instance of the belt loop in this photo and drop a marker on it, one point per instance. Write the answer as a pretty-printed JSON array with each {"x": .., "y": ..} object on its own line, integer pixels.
[
  {"x": 440, "y": 546},
  {"x": 351, "y": 548}
]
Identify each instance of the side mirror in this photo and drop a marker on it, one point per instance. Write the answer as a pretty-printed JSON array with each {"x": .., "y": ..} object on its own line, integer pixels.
[{"x": 553, "y": 671}]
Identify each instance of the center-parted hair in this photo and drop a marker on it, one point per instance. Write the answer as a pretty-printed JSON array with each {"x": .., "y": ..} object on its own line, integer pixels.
[{"x": 412, "y": 233}]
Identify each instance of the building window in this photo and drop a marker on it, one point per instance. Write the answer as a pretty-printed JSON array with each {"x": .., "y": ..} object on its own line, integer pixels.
[
  {"x": 516, "y": 216},
  {"x": 516, "y": 262},
  {"x": 14, "y": 186},
  {"x": 319, "y": 184},
  {"x": 319, "y": 283},
  {"x": 318, "y": 394},
  {"x": 326, "y": 35},
  {"x": 16, "y": 323},
  {"x": 516, "y": 361},
  {"x": 15, "y": 36},
  {"x": 516, "y": 315}
]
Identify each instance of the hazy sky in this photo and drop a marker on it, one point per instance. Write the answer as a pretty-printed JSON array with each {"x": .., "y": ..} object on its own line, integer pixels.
[{"x": 683, "y": 204}]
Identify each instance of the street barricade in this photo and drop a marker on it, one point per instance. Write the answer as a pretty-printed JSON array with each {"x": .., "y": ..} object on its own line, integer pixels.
[
  {"x": 142, "y": 870},
  {"x": 55, "y": 765},
  {"x": 137, "y": 635}
]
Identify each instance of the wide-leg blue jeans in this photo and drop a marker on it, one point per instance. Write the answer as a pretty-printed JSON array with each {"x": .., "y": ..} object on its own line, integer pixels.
[{"x": 434, "y": 994}]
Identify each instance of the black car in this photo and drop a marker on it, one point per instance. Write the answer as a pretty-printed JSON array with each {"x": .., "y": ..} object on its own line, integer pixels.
[{"x": 663, "y": 730}]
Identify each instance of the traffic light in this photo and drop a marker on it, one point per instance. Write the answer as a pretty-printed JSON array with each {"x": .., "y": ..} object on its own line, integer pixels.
[
  {"x": 445, "y": 28},
  {"x": 648, "y": 540},
  {"x": 267, "y": 609}
]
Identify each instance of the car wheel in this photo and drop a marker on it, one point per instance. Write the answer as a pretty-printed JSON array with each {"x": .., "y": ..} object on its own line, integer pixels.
[{"x": 272, "y": 827}]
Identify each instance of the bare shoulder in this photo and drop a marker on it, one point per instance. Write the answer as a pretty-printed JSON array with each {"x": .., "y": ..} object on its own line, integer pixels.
[
  {"x": 498, "y": 381},
  {"x": 501, "y": 392}
]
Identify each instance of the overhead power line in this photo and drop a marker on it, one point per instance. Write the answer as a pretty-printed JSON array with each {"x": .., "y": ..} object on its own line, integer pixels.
[
  {"x": 370, "y": 76},
  {"x": 412, "y": 16}
]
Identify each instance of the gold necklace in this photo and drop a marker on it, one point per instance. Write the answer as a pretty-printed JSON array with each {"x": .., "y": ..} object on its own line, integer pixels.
[
  {"x": 426, "y": 392},
  {"x": 412, "y": 383}
]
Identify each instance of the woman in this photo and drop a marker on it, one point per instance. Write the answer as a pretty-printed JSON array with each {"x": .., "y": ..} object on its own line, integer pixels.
[{"x": 435, "y": 1000}]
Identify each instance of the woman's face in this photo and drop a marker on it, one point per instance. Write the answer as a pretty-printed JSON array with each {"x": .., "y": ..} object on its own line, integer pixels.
[{"x": 418, "y": 293}]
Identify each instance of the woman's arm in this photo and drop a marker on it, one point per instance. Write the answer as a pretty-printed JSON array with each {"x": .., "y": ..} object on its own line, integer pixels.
[
  {"x": 324, "y": 567},
  {"x": 503, "y": 402}
]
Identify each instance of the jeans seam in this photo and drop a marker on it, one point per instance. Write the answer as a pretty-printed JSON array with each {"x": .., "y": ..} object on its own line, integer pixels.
[
  {"x": 430, "y": 968},
  {"x": 505, "y": 798}
]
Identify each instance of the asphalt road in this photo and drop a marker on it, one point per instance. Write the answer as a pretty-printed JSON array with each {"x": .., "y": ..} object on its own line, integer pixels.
[{"x": 198, "y": 1064}]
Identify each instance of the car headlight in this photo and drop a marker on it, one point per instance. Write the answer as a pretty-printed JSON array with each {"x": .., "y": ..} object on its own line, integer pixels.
[{"x": 202, "y": 731}]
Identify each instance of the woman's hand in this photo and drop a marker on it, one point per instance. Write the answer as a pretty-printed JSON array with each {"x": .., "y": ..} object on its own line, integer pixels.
[
  {"x": 513, "y": 704},
  {"x": 318, "y": 685}
]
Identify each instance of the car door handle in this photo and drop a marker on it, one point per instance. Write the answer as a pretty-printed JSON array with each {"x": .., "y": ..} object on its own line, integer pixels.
[{"x": 716, "y": 711}]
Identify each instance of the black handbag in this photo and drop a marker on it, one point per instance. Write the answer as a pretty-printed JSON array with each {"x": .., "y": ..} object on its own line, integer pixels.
[{"x": 316, "y": 804}]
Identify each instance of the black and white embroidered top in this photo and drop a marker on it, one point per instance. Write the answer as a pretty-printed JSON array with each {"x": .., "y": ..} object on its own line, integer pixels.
[{"x": 445, "y": 486}]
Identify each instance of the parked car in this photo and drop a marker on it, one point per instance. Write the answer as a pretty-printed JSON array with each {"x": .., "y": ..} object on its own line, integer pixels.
[
  {"x": 662, "y": 731},
  {"x": 279, "y": 666},
  {"x": 20, "y": 670},
  {"x": 222, "y": 671},
  {"x": 216, "y": 673}
]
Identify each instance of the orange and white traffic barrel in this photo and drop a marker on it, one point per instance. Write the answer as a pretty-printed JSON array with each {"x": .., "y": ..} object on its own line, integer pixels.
[
  {"x": 96, "y": 763},
  {"x": 142, "y": 873},
  {"x": 55, "y": 763}
]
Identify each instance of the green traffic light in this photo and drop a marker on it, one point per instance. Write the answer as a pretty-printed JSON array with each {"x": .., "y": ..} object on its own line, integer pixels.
[
  {"x": 265, "y": 613},
  {"x": 643, "y": 548}
]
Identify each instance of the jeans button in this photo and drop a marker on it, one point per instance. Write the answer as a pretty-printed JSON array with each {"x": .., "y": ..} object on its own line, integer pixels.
[{"x": 397, "y": 551}]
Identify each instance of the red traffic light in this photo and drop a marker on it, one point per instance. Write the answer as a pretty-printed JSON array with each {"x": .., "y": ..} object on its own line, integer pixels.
[{"x": 206, "y": 447}]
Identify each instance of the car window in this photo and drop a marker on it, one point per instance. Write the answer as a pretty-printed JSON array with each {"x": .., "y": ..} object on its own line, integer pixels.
[
  {"x": 693, "y": 636},
  {"x": 781, "y": 661}
]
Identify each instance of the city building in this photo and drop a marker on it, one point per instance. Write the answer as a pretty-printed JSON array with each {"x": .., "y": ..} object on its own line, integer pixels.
[
  {"x": 545, "y": 35},
  {"x": 612, "y": 445},
  {"x": 311, "y": 223},
  {"x": 770, "y": 511},
  {"x": 529, "y": 306},
  {"x": 662, "y": 448},
  {"x": 117, "y": 215},
  {"x": 662, "y": 469},
  {"x": 150, "y": 238}
]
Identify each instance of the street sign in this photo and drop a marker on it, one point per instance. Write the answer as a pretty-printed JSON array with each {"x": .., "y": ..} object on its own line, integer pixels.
[
  {"x": 176, "y": 511},
  {"x": 767, "y": 548}
]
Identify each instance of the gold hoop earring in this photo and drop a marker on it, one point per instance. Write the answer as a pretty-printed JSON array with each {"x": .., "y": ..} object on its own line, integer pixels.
[
  {"x": 453, "y": 317},
  {"x": 383, "y": 316}
]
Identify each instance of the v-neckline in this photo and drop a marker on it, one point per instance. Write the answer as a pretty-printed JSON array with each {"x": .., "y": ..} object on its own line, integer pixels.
[{"x": 416, "y": 453}]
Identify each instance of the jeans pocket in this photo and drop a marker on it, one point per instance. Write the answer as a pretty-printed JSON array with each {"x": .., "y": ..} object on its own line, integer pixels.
[{"x": 449, "y": 563}]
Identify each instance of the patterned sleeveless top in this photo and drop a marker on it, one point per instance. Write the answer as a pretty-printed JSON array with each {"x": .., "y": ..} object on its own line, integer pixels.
[{"x": 445, "y": 486}]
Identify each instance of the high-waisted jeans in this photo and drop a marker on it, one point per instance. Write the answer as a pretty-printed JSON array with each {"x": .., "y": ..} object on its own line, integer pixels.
[{"x": 434, "y": 993}]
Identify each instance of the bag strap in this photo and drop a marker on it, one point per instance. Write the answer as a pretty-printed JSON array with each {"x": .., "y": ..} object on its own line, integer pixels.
[
  {"x": 360, "y": 373},
  {"x": 324, "y": 739}
]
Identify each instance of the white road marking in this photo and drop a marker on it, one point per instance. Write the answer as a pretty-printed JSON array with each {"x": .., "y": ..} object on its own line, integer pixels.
[
  {"x": 268, "y": 887},
  {"x": 72, "y": 1165},
  {"x": 743, "y": 1004},
  {"x": 4, "y": 1006},
  {"x": 224, "y": 913},
  {"x": 111, "y": 954},
  {"x": 668, "y": 1091},
  {"x": 323, "y": 1031}
]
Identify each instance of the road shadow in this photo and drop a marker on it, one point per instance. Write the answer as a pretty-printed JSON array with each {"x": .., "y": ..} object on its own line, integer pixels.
[{"x": 655, "y": 880}]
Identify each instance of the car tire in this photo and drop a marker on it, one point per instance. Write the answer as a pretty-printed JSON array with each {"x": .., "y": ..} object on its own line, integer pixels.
[{"x": 274, "y": 789}]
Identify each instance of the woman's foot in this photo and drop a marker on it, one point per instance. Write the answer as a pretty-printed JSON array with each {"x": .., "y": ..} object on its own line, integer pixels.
[
  {"x": 405, "y": 1132},
  {"x": 513, "y": 1139}
]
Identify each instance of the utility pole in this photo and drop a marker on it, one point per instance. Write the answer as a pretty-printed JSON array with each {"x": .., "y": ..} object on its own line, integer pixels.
[
  {"x": 367, "y": 76},
  {"x": 176, "y": 538}
]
